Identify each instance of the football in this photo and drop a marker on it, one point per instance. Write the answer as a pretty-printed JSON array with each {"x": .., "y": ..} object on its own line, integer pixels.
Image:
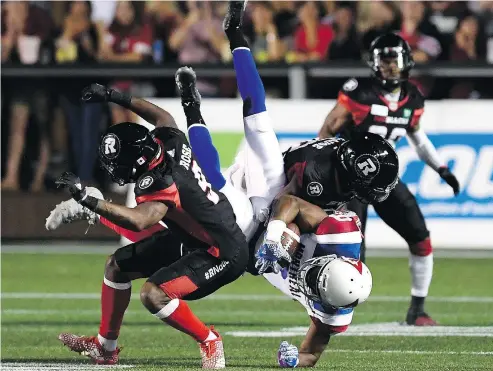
[{"x": 290, "y": 239}]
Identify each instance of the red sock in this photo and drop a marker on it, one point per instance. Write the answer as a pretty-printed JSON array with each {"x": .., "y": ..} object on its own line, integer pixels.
[
  {"x": 131, "y": 235},
  {"x": 115, "y": 298},
  {"x": 178, "y": 314}
]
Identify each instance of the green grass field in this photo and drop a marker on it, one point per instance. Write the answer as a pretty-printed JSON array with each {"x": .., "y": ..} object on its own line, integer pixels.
[{"x": 246, "y": 313}]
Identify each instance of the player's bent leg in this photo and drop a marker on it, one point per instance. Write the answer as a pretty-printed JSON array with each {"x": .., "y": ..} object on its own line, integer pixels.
[{"x": 128, "y": 263}]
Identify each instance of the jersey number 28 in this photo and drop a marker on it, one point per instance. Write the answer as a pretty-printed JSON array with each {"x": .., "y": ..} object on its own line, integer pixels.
[
  {"x": 204, "y": 184},
  {"x": 393, "y": 134}
]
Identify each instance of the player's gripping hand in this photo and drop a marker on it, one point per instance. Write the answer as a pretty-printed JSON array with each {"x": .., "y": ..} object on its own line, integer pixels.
[
  {"x": 288, "y": 355},
  {"x": 96, "y": 93},
  {"x": 72, "y": 183},
  {"x": 450, "y": 178},
  {"x": 269, "y": 255}
]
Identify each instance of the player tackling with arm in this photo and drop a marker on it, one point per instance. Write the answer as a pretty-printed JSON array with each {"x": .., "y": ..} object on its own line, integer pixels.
[
  {"x": 202, "y": 250},
  {"x": 391, "y": 106}
]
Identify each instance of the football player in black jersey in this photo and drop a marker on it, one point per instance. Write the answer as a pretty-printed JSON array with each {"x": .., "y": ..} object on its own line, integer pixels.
[
  {"x": 202, "y": 250},
  {"x": 391, "y": 106}
]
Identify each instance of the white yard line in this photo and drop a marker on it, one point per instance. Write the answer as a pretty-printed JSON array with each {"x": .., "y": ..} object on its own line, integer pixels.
[
  {"x": 380, "y": 329},
  {"x": 32, "y": 366},
  {"x": 202, "y": 312},
  {"x": 418, "y": 352},
  {"x": 249, "y": 297},
  {"x": 106, "y": 248}
]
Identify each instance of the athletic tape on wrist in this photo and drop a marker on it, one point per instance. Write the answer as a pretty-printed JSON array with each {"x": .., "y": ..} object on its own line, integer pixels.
[{"x": 275, "y": 229}]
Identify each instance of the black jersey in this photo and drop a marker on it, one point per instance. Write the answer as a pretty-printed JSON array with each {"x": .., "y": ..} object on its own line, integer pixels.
[
  {"x": 198, "y": 213},
  {"x": 313, "y": 163},
  {"x": 372, "y": 112}
]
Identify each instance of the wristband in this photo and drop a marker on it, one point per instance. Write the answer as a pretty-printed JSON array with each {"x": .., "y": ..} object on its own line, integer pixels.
[
  {"x": 123, "y": 99},
  {"x": 275, "y": 229},
  {"x": 90, "y": 202}
]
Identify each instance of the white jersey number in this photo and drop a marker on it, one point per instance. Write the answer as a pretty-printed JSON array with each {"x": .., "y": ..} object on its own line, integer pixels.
[
  {"x": 392, "y": 135},
  {"x": 204, "y": 184}
]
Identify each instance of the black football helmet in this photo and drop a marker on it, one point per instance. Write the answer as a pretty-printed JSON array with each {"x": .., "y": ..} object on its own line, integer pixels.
[
  {"x": 390, "y": 60},
  {"x": 126, "y": 150},
  {"x": 369, "y": 167}
]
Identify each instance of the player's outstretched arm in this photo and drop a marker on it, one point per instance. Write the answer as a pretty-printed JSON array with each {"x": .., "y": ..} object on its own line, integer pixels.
[
  {"x": 335, "y": 121},
  {"x": 314, "y": 344},
  {"x": 96, "y": 93},
  {"x": 136, "y": 219},
  {"x": 289, "y": 208}
]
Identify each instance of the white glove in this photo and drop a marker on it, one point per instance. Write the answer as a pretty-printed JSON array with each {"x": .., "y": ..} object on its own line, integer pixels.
[
  {"x": 269, "y": 255},
  {"x": 288, "y": 355}
]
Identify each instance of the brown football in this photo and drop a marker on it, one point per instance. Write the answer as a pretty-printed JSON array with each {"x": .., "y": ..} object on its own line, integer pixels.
[{"x": 290, "y": 239}]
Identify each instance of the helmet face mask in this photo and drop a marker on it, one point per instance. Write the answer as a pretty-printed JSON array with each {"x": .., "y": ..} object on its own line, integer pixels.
[
  {"x": 333, "y": 282},
  {"x": 390, "y": 60},
  {"x": 307, "y": 280}
]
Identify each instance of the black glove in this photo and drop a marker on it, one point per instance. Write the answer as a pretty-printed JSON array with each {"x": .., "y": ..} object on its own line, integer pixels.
[
  {"x": 97, "y": 93},
  {"x": 450, "y": 178},
  {"x": 72, "y": 183}
]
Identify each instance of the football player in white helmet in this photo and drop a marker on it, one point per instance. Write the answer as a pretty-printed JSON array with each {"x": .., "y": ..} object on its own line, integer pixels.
[{"x": 325, "y": 274}]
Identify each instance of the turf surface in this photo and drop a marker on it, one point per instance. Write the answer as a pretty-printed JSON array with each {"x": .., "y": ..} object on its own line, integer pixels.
[{"x": 461, "y": 295}]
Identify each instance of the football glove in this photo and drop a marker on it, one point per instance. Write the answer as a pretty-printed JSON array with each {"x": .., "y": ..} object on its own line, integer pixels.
[
  {"x": 288, "y": 355},
  {"x": 450, "y": 178},
  {"x": 269, "y": 255},
  {"x": 72, "y": 183},
  {"x": 96, "y": 93}
]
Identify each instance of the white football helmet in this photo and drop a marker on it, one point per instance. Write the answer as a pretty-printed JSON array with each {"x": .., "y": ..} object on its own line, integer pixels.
[{"x": 335, "y": 282}]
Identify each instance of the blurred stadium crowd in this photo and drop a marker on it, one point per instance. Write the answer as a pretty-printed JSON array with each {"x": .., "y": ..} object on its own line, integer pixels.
[{"x": 88, "y": 33}]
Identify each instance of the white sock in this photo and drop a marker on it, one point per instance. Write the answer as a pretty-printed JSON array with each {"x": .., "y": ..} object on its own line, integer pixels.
[
  {"x": 421, "y": 268},
  {"x": 109, "y": 345},
  {"x": 212, "y": 336}
]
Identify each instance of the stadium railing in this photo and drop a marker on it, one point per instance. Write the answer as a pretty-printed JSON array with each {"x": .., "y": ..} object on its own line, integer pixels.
[{"x": 297, "y": 75}]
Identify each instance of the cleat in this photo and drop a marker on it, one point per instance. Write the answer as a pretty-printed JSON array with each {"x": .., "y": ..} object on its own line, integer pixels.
[
  {"x": 186, "y": 82},
  {"x": 90, "y": 347},
  {"x": 234, "y": 15},
  {"x": 419, "y": 319},
  {"x": 212, "y": 353},
  {"x": 69, "y": 211}
]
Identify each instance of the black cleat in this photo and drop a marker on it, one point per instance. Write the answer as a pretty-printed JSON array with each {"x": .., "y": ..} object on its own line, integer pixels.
[
  {"x": 186, "y": 82},
  {"x": 234, "y": 15}
]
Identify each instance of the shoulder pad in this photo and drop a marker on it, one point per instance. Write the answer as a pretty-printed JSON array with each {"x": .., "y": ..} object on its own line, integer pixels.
[
  {"x": 415, "y": 94},
  {"x": 152, "y": 181},
  {"x": 357, "y": 90}
]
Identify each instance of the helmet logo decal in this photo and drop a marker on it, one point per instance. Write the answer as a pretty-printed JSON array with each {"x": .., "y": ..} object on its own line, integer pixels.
[
  {"x": 141, "y": 160},
  {"x": 354, "y": 262},
  {"x": 111, "y": 145},
  {"x": 314, "y": 189},
  {"x": 146, "y": 182},
  {"x": 366, "y": 166}
]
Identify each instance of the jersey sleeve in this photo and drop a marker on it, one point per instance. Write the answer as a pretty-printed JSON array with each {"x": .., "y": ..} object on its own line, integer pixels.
[
  {"x": 339, "y": 234},
  {"x": 154, "y": 186},
  {"x": 350, "y": 98}
]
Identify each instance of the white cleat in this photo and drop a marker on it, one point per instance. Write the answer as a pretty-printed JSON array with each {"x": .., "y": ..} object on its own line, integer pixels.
[
  {"x": 70, "y": 211},
  {"x": 212, "y": 353}
]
